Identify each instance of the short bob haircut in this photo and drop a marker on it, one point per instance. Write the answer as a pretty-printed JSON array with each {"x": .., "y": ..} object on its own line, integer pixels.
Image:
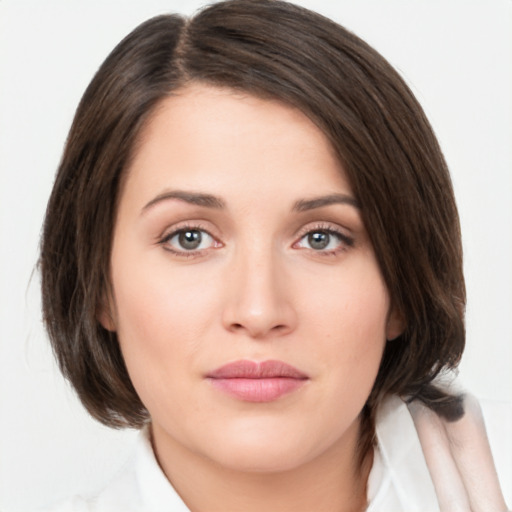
[{"x": 270, "y": 49}]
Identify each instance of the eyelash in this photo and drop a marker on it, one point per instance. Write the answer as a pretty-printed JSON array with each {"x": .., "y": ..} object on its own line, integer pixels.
[
  {"x": 345, "y": 240},
  {"x": 164, "y": 241}
]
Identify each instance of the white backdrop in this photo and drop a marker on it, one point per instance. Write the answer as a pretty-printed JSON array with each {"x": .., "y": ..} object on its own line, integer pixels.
[{"x": 455, "y": 54}]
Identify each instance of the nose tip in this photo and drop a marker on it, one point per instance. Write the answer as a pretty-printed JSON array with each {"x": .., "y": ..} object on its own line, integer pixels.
[{"x": 259, "y": 303}]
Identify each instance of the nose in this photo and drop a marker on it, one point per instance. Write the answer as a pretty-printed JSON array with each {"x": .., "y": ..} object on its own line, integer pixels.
[{"x": 259, "y": 299}]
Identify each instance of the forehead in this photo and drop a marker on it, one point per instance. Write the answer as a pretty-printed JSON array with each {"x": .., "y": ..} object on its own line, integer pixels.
[{"x": 220, "y": 140}]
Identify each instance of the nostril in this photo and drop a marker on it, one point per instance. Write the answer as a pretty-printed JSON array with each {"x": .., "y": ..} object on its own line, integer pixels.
[{"x": 258, "y": 331}]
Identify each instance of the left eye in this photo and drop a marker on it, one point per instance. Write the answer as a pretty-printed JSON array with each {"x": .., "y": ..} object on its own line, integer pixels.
[
  {"x": 190, "y": 240},
  {"x": 321, "y": 240}
]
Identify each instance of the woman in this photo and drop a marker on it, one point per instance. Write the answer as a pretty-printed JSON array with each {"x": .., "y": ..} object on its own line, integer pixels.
[{"x": 252, "y": 252}]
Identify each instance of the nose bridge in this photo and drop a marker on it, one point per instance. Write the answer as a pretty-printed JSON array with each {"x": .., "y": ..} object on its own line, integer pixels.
[{"x": 259, "y": 301}]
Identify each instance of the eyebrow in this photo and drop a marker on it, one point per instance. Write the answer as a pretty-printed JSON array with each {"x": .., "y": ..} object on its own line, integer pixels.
[
  {"x": 211, "y": 201},
  {"x": 196, "y": 198},
  {"x": 304, "y": 205}
]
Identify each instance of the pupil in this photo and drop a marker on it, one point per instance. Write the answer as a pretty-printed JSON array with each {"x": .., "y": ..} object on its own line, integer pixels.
[
  {"x": 318, "y": 240},
  {"x": 190, "y": 239}
]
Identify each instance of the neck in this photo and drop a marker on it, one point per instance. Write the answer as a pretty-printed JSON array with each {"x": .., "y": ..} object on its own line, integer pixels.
[{"x": 332, "y": 481}]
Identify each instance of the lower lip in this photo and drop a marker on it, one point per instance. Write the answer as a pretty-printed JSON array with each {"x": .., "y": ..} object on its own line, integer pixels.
[{"x": 258, "y": 390}]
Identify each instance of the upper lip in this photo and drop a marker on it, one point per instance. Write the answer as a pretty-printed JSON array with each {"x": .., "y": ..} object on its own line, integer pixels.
[{"x": 246, "y": 369}]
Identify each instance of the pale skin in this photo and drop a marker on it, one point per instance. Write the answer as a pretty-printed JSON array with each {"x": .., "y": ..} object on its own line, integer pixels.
[{"x": 238, "y": 238}]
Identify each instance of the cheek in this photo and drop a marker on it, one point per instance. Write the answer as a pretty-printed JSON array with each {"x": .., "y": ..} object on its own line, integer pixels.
[
  {"x": 348, "y": 320},
  {"x": 157, "y": 303},
  {"x": 353, "y": 304},
  {"x": 161, "y": 318}
]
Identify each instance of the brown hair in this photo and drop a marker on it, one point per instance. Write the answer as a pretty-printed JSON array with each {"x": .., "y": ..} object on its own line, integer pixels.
[{"x": 379, "y": 131}]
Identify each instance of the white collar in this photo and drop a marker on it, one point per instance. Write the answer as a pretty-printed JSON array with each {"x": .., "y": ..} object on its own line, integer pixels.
[
  {"x": 157, "y": 493},
  {"x": 399, "y": 479}
]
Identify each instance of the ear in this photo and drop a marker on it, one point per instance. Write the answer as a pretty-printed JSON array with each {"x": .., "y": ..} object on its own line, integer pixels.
[
  {"x": 105, "y": 316},
  {"x": 395, "y": 324}
]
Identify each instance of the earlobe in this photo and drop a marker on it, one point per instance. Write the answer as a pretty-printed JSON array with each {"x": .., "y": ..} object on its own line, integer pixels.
[
  {"x": 105, "y": 317},
  {"x": 395, "y": 325}
]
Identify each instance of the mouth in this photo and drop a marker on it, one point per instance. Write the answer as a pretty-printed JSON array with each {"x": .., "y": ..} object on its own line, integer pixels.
[{"x": 253, "y": 381}]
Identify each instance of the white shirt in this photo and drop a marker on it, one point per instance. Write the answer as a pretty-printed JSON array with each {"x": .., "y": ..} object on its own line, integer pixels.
[{"x": 421, "y": 464}]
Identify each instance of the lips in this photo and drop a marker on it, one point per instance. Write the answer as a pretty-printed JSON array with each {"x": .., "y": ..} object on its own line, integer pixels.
[{"x": 253, "y": 381}]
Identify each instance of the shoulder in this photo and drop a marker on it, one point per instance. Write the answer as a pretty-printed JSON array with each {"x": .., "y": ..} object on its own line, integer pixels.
[
  {"x": 75, "y": 504},
  {"x": 140, "y": 486},
  {"x": 460, "y": 453},
  {"x": 446, "y": 463},
  {"x": 122, "y": 493},
  {"x": 497, "y": 417}
]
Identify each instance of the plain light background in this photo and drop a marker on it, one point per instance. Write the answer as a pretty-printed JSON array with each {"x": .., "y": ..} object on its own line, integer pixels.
[{"x": 455, "y": 54}]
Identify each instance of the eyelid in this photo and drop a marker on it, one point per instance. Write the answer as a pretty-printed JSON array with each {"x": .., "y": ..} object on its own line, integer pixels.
[
  {"x": 191, "y": 223},
  {"x": 324, "y": 226},
  {"x": 346, "y": 240},
  {"x": 174, "y": 230}
]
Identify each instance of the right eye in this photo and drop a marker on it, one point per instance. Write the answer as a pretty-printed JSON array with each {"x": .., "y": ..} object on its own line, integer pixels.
[{"x": 189, "y": 240}]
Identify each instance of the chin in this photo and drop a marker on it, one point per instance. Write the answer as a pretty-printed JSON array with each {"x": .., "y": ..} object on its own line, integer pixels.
[
  {"x": 261, "y": 459},
  {"x": 265, "y": 448}
]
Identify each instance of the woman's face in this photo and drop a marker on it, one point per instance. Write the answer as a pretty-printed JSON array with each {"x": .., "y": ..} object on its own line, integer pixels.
[{"x": 247, "y": 299}]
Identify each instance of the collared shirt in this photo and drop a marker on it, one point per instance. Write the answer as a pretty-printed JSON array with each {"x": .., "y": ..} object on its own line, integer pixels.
[{"x": 416, "y": 467}]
